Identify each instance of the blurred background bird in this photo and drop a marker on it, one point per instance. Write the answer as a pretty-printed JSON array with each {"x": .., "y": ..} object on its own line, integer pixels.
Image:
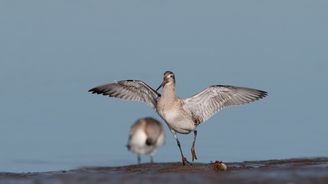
[{"x": 146, "y": 135}]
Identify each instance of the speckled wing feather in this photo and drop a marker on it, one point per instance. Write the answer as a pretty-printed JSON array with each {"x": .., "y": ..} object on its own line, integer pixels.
[
  {"x": 135, "y": 90},
  {"x": 211, "y": 100}
]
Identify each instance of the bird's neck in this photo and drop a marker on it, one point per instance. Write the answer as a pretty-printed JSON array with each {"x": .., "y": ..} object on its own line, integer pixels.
[{"x": 169, "y": 92}]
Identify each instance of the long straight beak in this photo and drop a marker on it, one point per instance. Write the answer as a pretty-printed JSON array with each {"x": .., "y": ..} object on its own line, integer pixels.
[{"x": 159, "y": 87}]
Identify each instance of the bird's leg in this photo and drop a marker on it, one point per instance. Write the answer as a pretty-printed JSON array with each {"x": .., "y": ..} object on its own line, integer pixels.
[
  {"x": 183, "y": 158},
  {"x": 139, "y": 159},
  {"x": 193, "y": 151}
]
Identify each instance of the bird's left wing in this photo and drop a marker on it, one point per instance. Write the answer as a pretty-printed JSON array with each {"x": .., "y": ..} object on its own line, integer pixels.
[{"x": 212, "y": 99}]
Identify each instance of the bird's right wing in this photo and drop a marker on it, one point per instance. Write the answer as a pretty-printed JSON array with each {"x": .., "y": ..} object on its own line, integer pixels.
[{"x": 135, "y": 90}]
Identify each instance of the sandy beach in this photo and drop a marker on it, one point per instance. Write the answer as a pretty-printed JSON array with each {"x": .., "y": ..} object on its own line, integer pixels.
[{"x": 306, "y": 170}]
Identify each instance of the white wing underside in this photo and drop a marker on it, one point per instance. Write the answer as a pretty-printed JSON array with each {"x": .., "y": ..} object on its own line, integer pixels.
[{"x": 211, "y": 100}]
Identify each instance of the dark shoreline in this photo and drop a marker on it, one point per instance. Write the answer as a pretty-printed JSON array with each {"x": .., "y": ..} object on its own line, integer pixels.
[{"x": 301, "y": 170}]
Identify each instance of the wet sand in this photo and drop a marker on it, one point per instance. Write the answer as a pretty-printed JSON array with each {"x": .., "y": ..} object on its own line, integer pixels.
[{"x": 291, "y": 171}]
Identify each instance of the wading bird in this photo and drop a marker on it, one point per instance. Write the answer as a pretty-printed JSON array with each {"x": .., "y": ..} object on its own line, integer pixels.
[
  {"x": 146, "y": 135},
  {"x": 181, "y": 115}
]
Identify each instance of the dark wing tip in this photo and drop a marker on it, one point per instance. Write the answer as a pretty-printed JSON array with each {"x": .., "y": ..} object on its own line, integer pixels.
[
  {"x": 95, "y": 91},
  {"x": 262, "y": 94},
  {"x": 91, "y": 90}
]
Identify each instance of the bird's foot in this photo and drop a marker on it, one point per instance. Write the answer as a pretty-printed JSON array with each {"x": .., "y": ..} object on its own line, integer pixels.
[
  {"x": 185, "y": 161},
  {"x": 193, "y": 154}
]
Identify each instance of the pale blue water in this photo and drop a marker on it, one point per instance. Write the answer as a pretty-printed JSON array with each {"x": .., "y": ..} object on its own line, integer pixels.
[{"x": 52, "y": 52}]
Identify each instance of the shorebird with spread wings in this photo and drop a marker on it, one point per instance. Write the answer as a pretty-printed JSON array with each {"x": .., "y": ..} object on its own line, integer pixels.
[{"x": 181, "y": 115}]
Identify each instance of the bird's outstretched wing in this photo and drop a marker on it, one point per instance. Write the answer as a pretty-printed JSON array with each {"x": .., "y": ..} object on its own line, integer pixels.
[
  {"x": 135, "y": 90},
  {"x": 212, "y": 99}
]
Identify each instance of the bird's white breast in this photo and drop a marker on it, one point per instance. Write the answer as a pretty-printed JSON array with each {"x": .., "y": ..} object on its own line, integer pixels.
[
  {"x": 178, "y": 121},
  {"x": 138, "y": 144},
  {"x": 138, "y": 138}
]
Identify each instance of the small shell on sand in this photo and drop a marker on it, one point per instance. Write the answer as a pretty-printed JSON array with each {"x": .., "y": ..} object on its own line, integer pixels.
[{"x": 219, "y": 166}]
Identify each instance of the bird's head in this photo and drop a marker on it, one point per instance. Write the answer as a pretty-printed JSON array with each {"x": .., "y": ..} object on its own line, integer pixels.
[{"x": 168, "y": 79}]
